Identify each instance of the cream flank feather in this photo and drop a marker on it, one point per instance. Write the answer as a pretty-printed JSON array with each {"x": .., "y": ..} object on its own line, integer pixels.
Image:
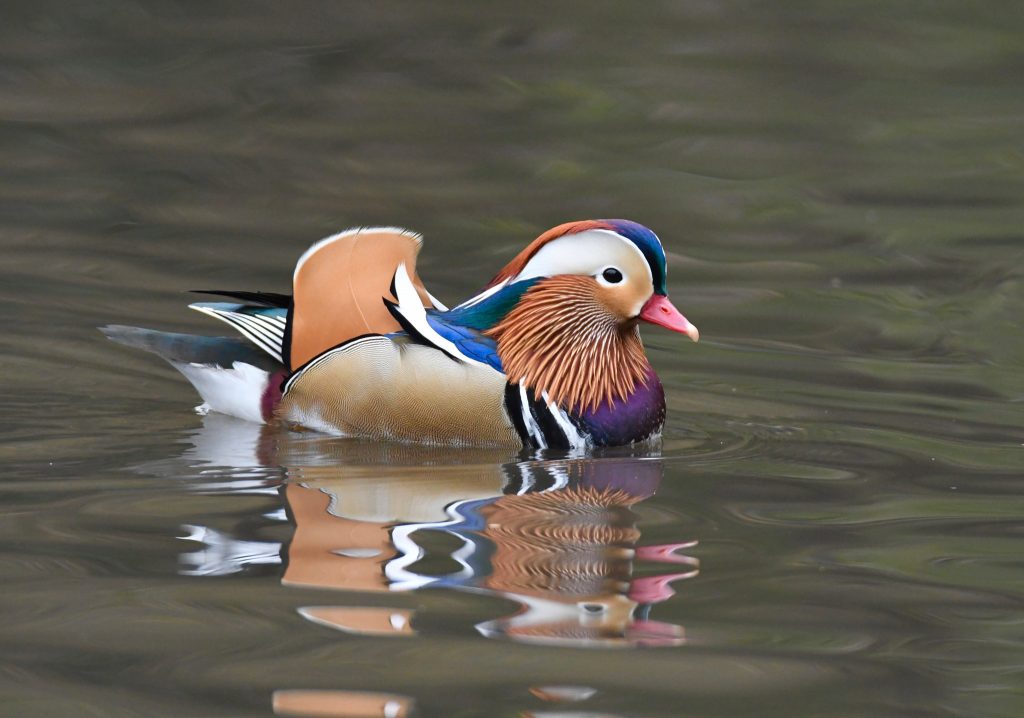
[{"x": 562, "y": 340}]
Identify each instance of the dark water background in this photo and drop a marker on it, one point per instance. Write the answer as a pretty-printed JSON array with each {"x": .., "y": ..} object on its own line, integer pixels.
[{"x": 839, "y": 186}]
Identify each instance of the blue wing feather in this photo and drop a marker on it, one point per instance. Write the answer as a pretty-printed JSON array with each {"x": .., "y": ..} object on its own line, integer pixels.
[
  {"x": 470, "y": 342},
  {"x": 465, "y": 325},
  {"x": 482, "y": 314}
]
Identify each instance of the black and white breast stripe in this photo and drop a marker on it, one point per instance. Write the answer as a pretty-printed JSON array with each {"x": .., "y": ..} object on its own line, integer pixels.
[
  {"x": 263, "y": 330},
  {"x": 540, "y": 423},
  {"x": 382, "y": 342}
]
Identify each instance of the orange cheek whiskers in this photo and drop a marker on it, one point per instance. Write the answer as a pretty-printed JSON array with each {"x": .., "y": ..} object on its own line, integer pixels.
[{"x": 560, "y": 339}]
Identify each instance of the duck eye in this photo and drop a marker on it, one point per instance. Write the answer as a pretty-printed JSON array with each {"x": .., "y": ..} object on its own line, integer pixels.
[{"x": 612, "y": 275}]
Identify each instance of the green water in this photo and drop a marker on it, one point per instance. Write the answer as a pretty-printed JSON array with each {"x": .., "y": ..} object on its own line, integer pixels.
[{"x": 840, "y": 188}]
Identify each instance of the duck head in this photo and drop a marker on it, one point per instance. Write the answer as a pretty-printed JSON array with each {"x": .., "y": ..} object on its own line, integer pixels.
[{"x": 573, "y": 333}]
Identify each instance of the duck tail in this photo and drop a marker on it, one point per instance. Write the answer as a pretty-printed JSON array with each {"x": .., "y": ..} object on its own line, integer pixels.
[{"x": 231, "y": 375}]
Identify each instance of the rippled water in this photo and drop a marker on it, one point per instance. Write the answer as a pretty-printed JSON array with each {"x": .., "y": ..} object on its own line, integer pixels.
[{"x": 834, "y": 524}]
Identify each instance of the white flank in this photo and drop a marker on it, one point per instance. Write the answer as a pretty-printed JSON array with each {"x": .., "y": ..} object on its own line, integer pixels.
[{"x": 237, "y": 391}]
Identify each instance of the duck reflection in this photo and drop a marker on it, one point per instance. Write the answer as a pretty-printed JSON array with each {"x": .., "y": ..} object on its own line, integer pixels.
[
  {"x": 566, "y": 555},
  {"x": 557, "y": 537}
]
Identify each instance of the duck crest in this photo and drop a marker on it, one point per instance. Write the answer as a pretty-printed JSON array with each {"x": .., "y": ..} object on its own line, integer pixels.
[
  {"x": 518, "y": 262},
  {"x": 560, "y": 342}
]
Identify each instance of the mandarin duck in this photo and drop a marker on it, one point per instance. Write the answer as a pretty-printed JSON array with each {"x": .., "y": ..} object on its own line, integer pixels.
[{"x": 547, "y": 355}]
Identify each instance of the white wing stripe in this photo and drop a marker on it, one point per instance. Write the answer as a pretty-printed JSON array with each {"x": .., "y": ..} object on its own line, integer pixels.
[
  {"x": 437, "y": 302},
  {"x": 255, "y": 333},
  {"x": 262, "y": 334},
  {"x": 267, "y": 331},
  {"x": 264, "y": 322},
  {"x": 261, "y": 343},
  {"x": 483, "y": 295},
  {"x": 411, "y": 308}
]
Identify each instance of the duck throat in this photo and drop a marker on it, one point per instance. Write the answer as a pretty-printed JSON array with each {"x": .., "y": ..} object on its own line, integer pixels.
[{"x": 561, "y": 340}]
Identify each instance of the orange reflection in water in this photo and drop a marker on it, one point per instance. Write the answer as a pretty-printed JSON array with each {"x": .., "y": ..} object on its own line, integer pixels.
[
  {"x": 341, "y": 704},
  {"x": 561, "y": 542}
]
